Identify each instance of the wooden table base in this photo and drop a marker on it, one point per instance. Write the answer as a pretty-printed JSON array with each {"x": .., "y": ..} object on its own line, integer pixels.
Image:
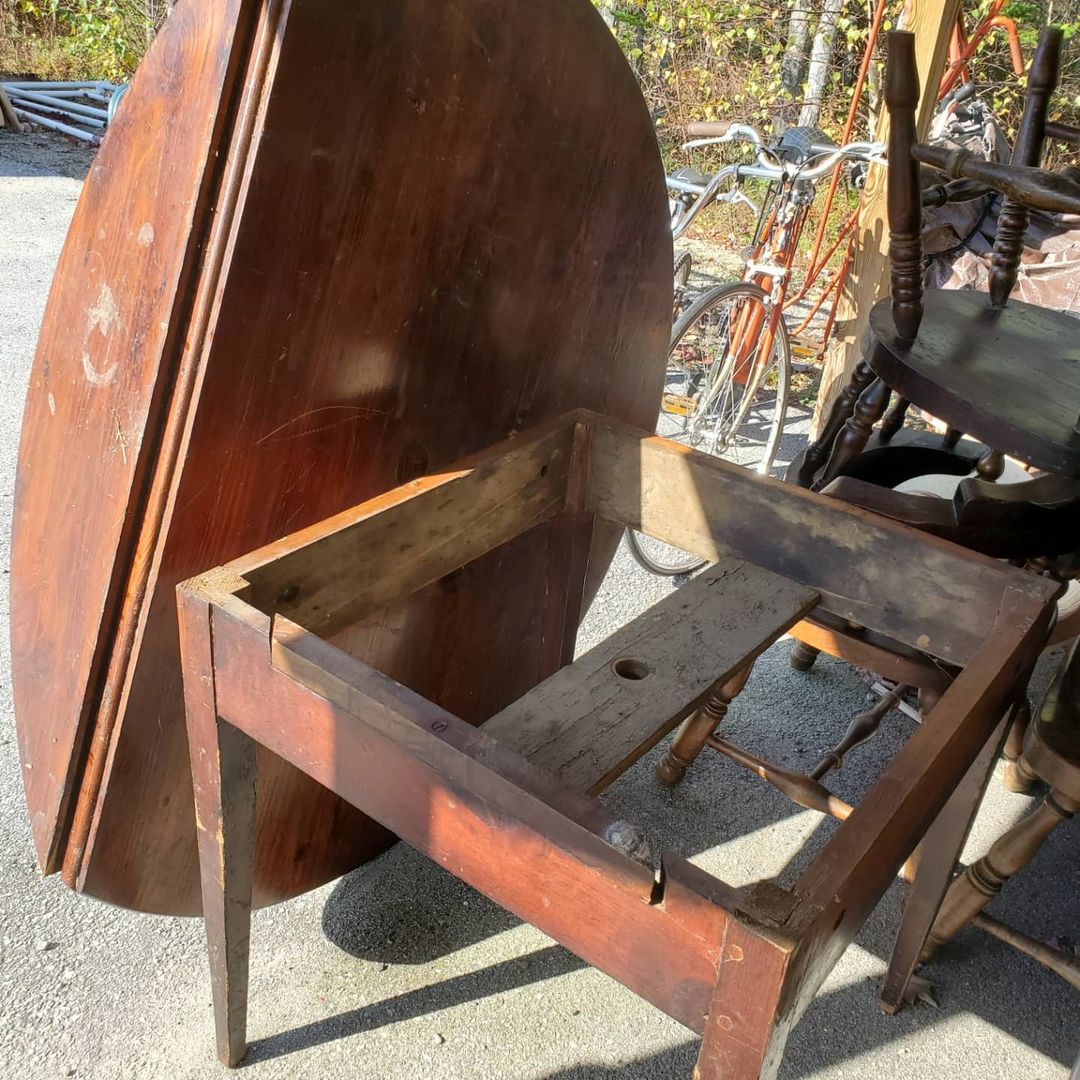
[{"x": 506, "y": 807}]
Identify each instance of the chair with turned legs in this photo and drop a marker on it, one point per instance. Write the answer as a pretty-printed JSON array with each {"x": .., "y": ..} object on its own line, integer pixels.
[
  {"x": 1051, "y": 754},
  {"x": 1006, "y": 374}
]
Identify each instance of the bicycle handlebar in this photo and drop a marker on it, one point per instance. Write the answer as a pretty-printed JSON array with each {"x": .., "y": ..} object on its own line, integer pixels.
[
  {"x": 768, "y": 161},
  {"x": 830, "y": 158},
  {"x": 709, "y": 129},
  {"x": 765, "y": 169}
]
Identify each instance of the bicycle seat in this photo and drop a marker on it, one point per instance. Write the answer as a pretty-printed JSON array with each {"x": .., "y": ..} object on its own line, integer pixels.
[{"x": 690, "y": 175}]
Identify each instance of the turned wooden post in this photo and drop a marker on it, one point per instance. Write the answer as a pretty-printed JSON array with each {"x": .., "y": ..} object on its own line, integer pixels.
[
  {"x": 933, "y": 23},
  {"x": 904, "y": 192},
  {"x": 859, "y": 731},
  {"x": 1058, "y": 961},
  {"x": 802, "y": 656},
  {"x": 696, "y": 729},
  {"x": 894, "y": 420},
  {"x": 801, "y": 789},
  {"x": 855, "y": 434},
  {"x": 1017, "y": 776},
  {"x": 983, "y": 880},
  {"x": 1014, "y": 217},
  {"x": 802, "y": 472}
]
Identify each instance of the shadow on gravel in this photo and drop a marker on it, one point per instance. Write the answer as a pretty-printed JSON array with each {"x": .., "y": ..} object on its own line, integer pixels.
[{"x": 512, "y": 974}]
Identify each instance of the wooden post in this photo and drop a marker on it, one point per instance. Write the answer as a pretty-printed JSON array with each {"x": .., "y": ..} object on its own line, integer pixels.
[
  {"x": 7, "y": 113},
  {"x": 932, "y": 22}
]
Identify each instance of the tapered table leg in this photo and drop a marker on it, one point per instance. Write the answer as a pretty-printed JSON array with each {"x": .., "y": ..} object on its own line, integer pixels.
[
  {"x": 223, "y": 772},
  {"x": 939, "y": 853}
]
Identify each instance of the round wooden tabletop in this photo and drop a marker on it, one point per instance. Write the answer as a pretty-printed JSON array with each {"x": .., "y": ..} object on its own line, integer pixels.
[{"x": 325, "y": 248}]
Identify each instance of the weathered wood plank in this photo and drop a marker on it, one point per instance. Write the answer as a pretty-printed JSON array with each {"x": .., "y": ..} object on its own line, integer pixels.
[
  {"x": 877, "y": 573},
  {"x": 442, "y": 789},
  {"x": 590, "y": 721},
  {"x": 327, "y": 576}
]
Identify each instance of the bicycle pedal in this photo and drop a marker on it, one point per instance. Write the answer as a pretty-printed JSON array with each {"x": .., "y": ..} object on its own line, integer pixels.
[{"x": 677, "y": 404}]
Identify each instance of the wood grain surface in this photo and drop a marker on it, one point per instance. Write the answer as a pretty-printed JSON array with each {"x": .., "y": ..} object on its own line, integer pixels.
[
  {"x": 457, "y": 229},
  {"x": 586, "y": 722},
  {"x": 966, "y": 368}
]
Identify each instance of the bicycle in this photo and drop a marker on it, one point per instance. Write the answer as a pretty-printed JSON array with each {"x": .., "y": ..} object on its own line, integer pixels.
[{"x": 729, "y": 366}]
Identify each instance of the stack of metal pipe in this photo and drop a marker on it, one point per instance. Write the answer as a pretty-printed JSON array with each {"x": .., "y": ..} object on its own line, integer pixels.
[{"x": 80, "y": 109}]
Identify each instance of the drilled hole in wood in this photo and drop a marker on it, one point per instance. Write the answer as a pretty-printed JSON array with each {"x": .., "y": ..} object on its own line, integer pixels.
[
  {"x": 631, "y": 669},
  {"x": 544, "y": 468}
]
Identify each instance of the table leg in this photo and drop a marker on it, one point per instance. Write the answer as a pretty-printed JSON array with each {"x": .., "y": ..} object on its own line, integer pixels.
[
  {"x": 939, "y": 854},
  {"x": 223, "y": 772}
]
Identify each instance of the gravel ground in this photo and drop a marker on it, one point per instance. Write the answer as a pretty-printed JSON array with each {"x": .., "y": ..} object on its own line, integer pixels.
[{"x": 398, "y": 970}]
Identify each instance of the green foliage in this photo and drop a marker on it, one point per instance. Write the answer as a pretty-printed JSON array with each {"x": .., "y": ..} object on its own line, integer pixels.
[
  {"x": 99, "y": 39},
  {"x": 723, "y": 59}
]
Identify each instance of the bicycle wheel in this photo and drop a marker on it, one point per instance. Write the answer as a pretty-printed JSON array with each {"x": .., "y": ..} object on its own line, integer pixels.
[
  {"x": 683, "y": 265},
  {"x": 721, "y": 396}
]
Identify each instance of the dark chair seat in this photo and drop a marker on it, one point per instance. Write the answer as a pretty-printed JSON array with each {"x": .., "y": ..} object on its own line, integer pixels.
[{"x": 1008, "y": 376}]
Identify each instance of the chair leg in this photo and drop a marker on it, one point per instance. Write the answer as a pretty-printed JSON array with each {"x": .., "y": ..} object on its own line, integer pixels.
[
  {"x": 223, "y": 766},
  {"x": 802, "y": 656},
  {"x": 1008, "y": 855},
  {"x": 817, "y": 453},
  {"x": 855, "y": 434},
  {"x": 894, "y": 421},
  {"x": 938, "y": 856},
  {"x": 690, "y": 739},
  {"x": 1017, "y": 776}
]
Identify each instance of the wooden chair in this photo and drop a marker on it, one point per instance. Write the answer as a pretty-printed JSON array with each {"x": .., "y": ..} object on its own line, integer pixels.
[
  {"x": 1051, "y": 753},
  {"x": 267, "y": 667},
  {"x": 1019, "y": 521},
  {"x": 1007, "y": 374}
]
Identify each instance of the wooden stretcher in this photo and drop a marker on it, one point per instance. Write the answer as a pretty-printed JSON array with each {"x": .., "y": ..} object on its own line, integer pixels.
[{"x": 508, "y": 807}]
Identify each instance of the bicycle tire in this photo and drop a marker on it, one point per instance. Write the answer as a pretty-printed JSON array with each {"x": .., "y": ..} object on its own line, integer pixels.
[
  {"x": 684, "y": 264},
  {"x": 780, "y": 360},
  {"x": 781, "y": 345}
]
